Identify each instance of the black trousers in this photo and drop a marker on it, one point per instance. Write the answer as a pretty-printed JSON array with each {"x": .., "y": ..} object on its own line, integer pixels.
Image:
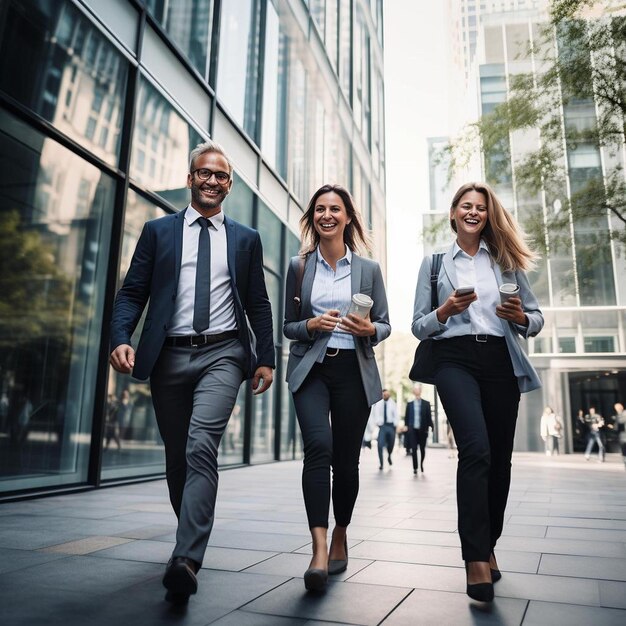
[
  {"x": 333, "y": 388},
  {"x": 480, "y": 395},
  {"x": 417, "y": 440}
]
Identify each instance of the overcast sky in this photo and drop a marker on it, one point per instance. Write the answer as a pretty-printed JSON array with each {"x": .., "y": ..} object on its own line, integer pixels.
[{"x": 416, "y": 107}]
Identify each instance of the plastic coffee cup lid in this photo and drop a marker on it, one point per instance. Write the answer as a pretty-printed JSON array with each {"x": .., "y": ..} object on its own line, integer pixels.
[
  {"x": 509, "y": 288},
  {"x": 362, "y": 300}
]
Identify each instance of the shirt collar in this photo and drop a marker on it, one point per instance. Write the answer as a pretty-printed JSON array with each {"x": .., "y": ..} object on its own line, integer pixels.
[
  {"x": 456, "y": 249},
  {"x": 191, "y": 216},
  {"x": 346, "y": 259}
]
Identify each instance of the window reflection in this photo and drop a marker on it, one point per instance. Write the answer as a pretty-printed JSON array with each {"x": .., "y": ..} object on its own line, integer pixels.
[
  {"x": 238, "y": 74},
  {"x": 345, "y": 46},
  {"x": 54, "y": 232},
  {"x": 53, "y": 60},
  {"x": 188, "y": 23},
  {"x": 161, "y": 147},
  {"x": 297, "y": 129},
  {"x": 273, "y": 135},
  {"x": 131, "y": 439}
]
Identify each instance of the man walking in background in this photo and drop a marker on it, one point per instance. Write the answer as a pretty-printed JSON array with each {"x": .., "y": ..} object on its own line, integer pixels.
[
  {"x": 417, "y": 420},
  {"x": 386, "y": 415},
  {"x": 203, "y": 275}
]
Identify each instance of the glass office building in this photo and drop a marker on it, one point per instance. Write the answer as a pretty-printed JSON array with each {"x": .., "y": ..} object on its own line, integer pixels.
[
  {"x": 100, "y": 105},
  {"x": 580, "y": 354}
]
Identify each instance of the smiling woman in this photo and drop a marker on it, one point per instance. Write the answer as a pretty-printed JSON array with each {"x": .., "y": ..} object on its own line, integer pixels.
[
  {"x": 331, "y": 369},
  {"x": 479, "y": 367}
]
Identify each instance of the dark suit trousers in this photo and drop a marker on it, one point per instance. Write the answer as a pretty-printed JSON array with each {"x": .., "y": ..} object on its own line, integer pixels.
[
  {"x": 193, "y": 392},
  {"x": 333, "y": 388},
  {"x": 417, "y": 439},
  {"x": 480, "y": 395}
]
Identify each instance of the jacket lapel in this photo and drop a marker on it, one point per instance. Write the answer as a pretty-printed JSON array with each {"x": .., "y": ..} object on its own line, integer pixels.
[
  {"x": 179, "y": 222},
  {"x": 448, "y": 265},
  {"x": 355, "y": 273},
  {"x": 231, "y": 247}
]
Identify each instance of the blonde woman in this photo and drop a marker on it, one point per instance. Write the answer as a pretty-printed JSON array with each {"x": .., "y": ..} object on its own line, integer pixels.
[
  {"x": 480, "y": 369},
  {"x": 331, "y": 369}
]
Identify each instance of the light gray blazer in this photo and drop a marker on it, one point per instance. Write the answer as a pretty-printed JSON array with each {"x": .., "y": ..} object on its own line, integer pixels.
[
  {"x": 426, "y": 325},
  {"x": 305, "y": 349}
]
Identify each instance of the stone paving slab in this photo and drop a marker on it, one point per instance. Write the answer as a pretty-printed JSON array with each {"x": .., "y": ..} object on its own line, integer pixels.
[{"x": 97, "y": 557}]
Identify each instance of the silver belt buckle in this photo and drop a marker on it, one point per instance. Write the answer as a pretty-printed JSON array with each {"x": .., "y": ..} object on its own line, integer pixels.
[
  {"x": 481, "y": 338},
  {"x": 333, "y": 354}
]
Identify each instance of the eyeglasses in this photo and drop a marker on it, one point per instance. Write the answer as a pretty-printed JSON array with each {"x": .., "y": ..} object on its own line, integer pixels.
[{"x": 204, "y": 174}]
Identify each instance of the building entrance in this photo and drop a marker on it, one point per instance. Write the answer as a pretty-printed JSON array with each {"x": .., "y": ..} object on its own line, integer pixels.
[{"x": 601, "y": 390}]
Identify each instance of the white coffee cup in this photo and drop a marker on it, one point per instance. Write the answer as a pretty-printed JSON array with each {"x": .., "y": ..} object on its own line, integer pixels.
[
  {"x": 360, "y": 305},
  {"x": 507, "y": 290}
]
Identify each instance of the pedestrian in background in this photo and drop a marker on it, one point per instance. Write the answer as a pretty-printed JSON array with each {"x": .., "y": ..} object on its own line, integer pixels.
[
  {"x": 620, "y": 423},
  {"x": 551, "y": 430},
  {"x": 595, "y": 422},
  {"x": 331, "y": 370},
  {"x": 417, "y": 421},
  {"x": 479, "y": 366},
  {"x": 385, "y": 413}
]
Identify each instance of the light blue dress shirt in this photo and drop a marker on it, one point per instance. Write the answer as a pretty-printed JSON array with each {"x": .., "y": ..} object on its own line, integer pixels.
[{"x": 332, "y": 289}]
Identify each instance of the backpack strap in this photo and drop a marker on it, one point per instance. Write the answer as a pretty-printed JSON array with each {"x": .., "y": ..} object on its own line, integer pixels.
[{"x": 435, "y": 266}]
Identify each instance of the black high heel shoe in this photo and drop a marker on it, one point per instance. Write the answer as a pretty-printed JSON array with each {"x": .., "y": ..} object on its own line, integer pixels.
[
  {"x": 337, "y": 566},
  {"x": 315, "y": 579},
  {"x": 496, "y": 574},
  {"x": 481, "y": 592}
]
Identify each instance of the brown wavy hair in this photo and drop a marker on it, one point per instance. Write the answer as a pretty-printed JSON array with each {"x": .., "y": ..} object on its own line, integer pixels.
[
  {"x": 355, "y": 236},
  {"x": 505, "y": 238}
]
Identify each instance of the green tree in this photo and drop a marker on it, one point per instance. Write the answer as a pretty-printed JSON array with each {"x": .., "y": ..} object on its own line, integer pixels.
[{"x": 575, "y": 104}]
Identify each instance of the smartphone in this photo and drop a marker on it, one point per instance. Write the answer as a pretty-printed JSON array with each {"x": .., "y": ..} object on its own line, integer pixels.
[{"x": 464, "y": 291}]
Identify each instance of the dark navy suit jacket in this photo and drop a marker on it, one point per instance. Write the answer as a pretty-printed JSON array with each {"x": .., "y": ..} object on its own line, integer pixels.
[
  {"x": 153, "y": 275},
  {"x": 426, "y": 421}
]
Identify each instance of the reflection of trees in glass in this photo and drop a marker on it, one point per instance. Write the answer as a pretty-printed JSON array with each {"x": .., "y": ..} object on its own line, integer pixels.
[
  {"x": 36, "y": 296},
  {"x": 35, "y": 326}
]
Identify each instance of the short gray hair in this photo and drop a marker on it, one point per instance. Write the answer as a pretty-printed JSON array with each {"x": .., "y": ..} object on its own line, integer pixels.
[{"x": 209, "y": 146}]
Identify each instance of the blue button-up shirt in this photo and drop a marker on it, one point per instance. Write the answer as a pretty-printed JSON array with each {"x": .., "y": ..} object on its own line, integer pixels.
[{"x": 332, "y": 289}]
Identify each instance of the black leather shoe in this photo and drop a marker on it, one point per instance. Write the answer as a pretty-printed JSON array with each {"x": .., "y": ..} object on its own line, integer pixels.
[
  {"x": 481, "y": 592},
  {"x": 315, "y": 579},
  {"x": 180, "y": 579},
  {"x": 337, "y": 566},
  {"x": 390, "y": 460}
]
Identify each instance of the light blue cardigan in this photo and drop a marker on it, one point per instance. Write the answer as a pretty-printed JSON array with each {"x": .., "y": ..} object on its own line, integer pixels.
[{"x": 426, "y": 325}]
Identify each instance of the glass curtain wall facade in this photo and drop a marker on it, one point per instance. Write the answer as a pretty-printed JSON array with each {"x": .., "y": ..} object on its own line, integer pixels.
[
  {"x": 580, "y": 352},
  {"x": 100, "y": 105}
]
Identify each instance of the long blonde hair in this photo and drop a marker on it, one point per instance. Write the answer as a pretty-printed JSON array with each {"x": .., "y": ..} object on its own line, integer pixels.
[
  {"x": 506, "y": 240},
  {"x": 355, "y": 236}
]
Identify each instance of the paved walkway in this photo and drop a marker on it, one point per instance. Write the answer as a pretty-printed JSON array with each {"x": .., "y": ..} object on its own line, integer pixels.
[{"x": 97, "y": 558}]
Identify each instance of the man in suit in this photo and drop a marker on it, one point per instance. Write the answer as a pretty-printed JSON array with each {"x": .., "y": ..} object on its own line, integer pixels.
[
  {"x": 203, "y": 276},
  {"x": 417, "y": 420},
  {"x": 385, "y": 413}
]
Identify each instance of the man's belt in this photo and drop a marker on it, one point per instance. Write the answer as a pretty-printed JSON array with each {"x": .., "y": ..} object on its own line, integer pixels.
[{"x": 188, "y": 341}]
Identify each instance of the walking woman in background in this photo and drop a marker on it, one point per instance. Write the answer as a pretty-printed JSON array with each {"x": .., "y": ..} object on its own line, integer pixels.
[
  {"x": 480, "y": 369},
  {"x": 551, "y": 429},
  {"x": 331, "y": 368}
]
